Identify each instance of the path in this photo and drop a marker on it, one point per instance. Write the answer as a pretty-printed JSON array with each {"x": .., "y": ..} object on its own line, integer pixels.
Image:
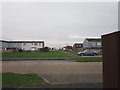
[
  {"x": 70, "y": 54},
  {"x": 58, "y": 71}
]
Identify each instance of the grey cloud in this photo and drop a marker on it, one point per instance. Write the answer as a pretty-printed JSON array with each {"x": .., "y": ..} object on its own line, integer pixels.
[{"x": 58, "y": 23}]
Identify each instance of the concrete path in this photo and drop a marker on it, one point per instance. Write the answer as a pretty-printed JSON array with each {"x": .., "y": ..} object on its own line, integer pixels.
[
  {"x": 58, "y": 71},
  {"x": 70, "y": 54},
  {"x": 71, "y": 85}
]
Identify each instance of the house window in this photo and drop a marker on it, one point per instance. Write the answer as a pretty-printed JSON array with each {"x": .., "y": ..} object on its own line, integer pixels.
[
  {"x": 94, "y": 44},
  {"x": 98, "y": 43},
  {"x": 35, "y": 44}
]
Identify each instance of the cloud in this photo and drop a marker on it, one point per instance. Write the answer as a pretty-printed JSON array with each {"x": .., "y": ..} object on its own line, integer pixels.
[
  {"x": 58, "y": 23},
  {"x": 76, "y": 37}
]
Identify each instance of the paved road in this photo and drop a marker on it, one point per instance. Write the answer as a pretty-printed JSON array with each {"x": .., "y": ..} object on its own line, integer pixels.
[{"x": 58, "y": 71}]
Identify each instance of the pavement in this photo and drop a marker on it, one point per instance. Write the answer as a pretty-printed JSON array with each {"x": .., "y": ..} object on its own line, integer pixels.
[
  {"x": 41, "y": 58},
  {"x": 69, "y": 54},
  {"x": 58, "y": 71},
  {"x": 72, "y": 85},
  {"x": 35, "y": 58}
]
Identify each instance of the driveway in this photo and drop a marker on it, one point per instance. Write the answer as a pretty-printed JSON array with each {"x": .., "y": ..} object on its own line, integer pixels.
[{"x": 58, "y": 71}]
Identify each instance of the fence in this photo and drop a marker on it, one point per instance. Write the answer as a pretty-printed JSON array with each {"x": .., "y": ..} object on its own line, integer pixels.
[{"x": 111, "y": 60}]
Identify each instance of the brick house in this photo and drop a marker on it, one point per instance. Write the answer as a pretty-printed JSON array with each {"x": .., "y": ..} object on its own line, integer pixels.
[{"x": 66, "y": 48}]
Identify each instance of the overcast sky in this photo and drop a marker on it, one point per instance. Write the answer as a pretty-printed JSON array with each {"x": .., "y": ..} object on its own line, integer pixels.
[{"x": 58, "y": 23}]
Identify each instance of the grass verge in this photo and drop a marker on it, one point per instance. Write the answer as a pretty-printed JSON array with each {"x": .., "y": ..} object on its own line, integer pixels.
[
  {"x": 10, "y": 79},
  {"x": 73, "y": 52},
  {"x": 35, "y": 54},
  {"x": 87, "y": 59}
]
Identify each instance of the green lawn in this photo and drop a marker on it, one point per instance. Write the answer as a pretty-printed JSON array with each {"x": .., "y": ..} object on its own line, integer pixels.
[
  {"x": 35, "y": 54},
  {"x": 73, "y": 52},
  {"x": 87, "y": 59},
  {"x": 16, "y": 79}
]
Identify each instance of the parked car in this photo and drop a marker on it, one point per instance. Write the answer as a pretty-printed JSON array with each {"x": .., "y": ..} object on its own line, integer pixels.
[{"x": 88, "y": 52}]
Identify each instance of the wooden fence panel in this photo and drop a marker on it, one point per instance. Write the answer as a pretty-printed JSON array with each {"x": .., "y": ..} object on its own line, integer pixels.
[{"x": 111, "y": 57}]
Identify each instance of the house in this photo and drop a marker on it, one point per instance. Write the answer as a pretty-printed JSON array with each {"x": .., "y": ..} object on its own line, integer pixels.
[
  {"x": 92, "y": 43},
  {"x": 77, "y": 45},
  {"x": 66, "y": 48},
  {"x": 23, "y": 45},
  {"x": 32, "y": 45}
]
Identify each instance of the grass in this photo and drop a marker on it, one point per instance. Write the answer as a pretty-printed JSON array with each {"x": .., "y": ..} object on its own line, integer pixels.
[
  {"x": 16, "y": 79},
  {"x": 100, "y": 53},
  {"x": 35, "y": 54},
  {"x": 87, "y": 59},
  {"x": 73, "y": 52}
]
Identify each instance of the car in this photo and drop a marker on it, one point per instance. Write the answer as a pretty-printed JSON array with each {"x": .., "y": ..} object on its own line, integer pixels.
[{"x": 88, "y": 52}]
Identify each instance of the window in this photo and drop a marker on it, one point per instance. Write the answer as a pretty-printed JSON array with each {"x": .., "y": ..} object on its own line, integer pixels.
[
  {"x": 35, "y": 44},
  {"x": 98, "y": 43},
  {"x": 93, "y": 43}
]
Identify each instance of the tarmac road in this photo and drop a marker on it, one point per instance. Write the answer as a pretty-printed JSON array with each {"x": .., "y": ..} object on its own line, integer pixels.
[{"x": 58, "y": 71}]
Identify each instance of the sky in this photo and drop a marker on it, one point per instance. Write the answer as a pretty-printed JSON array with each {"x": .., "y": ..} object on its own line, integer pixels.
[{"x": 57, "y": 23}]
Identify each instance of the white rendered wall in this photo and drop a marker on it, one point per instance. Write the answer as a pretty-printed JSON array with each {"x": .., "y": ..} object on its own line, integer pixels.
[{"x": 29, "y": 46}]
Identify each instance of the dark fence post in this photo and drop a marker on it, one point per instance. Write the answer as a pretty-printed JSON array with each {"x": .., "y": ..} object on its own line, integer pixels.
[{"x": 111, "y": 60}]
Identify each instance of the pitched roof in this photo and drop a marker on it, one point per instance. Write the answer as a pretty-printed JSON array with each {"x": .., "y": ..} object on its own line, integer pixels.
[
  {"x": 67, "y": 47},
  {"x": 22, "y": 41},
  {"x": 93, "y": 39}
]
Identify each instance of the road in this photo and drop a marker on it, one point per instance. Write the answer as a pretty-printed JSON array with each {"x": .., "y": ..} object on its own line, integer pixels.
[{"x": 58, "y": 71}]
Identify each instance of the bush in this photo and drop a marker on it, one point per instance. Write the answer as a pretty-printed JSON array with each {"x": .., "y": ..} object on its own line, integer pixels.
[{"x": 45, "y": 49}]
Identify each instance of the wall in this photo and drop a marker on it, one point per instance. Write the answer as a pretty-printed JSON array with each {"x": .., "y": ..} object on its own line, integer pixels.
[
  {"x": 28, "y": 46},
  {"x": 0, "y": 44},
  {"x": 4, "y": 45},
  {"x": 85, "y": 43},
  {"x": 14, "y": 45},
  {"x": 91, "y": 44},
  {"x": 7, "y": 51},
  {"x": 9, "y": 45},
  {"x": 94, "y": 44}
]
